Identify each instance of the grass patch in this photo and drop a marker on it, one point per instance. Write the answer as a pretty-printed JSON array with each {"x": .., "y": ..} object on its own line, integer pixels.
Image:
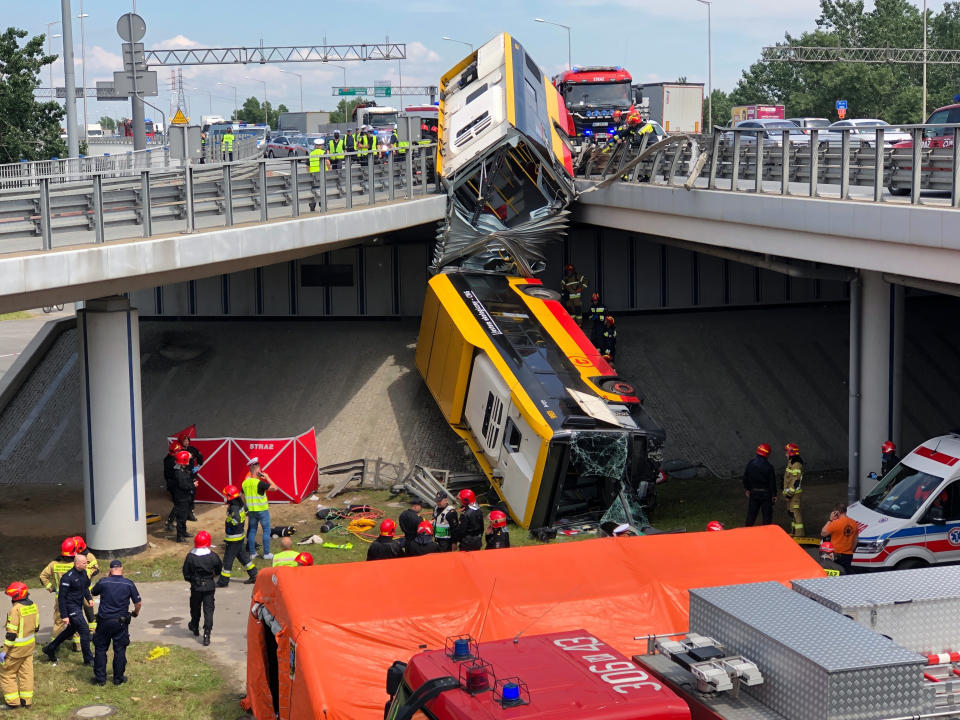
[
  {"x": 178, "y": 686},
  {"x": 18, "y": 315}
]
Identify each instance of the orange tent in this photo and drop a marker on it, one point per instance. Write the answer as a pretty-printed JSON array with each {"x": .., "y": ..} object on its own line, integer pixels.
[{"x": 327, "y": 634}]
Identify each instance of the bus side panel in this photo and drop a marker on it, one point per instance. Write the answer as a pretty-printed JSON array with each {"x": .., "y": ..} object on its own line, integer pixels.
[
  {"x": 443, "y": 358},
  {"x": 519, "y": 451},
  {"x": 428, "y": 322}
]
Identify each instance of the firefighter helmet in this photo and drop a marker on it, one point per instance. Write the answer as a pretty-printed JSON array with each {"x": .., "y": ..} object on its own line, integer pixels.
[
  {"x": 595, "y": 297},
  {"x": 304, "y": 559},
  {"x": 202, "y": 540},
  {"x": 174, "y": 447},
  {"x": 68, "y": 548},
  {"x": 230, "y": 492},
  {"x": 791, "y": 449},
  {"x": 387, "y": 527},
  {"x": 763, "y": 449},
  {"x": 633, "y": 119},
  {"x": 714, "y": 525},
  {"x": 610, "y": 322},
  {"x": 617, "y": 114},
  {"x": 81, "y": 544},
  {"x": 467, "y": 497},
  {"x": 888, "y": 447},
  {"x": 16, "y": 590},
  {"x": 826, "y": 548},
  {"x": 183, "y": 457},
  {"x": 425, "y": 528},
  {"x": 568, "y": 268},
  {"x": 498, "y": 519}
]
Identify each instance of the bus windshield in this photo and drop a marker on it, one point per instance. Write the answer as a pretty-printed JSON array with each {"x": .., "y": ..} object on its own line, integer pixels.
[
  {"x": 901, "y": 492},
  {"x": 381, "y": 120},
  {"x": 587, "y": 95}
]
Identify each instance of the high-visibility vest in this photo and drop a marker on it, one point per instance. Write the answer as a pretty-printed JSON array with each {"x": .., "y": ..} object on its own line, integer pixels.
[
  {"x": 335, "y": 148},
  {"x": 24, "y": 621},
  {"x": 285, "y": 558},
  {"x": 59, "y": 570},
  {"x": 255, "y": 502},
  {"x": 402, "y": 147},
  {"x": 362, "y": 144},
  {"x": 315, "y": 159},
  {"x": 227, "y": 142}
]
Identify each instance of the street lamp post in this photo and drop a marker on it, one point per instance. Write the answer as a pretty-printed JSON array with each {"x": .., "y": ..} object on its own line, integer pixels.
[
  {"x": 567, "y": 28},
  {"x": 923, "y": 103},
  {"x": 462, "y": 42},
  {"x": 83, "y": 67},
  {"x": 300, "y": 78},
  {"x": 236, "y": 110},
  {"x": 266, "y": 120},
  {"x": 69, "y": 80},
  {"x": 344, "y": 72},
  {"x": 50, "y": 50},
  {"x": 709, "y": 3}
]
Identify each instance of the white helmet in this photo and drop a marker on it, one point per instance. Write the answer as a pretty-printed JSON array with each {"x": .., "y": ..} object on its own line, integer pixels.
[{"x": 317, "y": 141}]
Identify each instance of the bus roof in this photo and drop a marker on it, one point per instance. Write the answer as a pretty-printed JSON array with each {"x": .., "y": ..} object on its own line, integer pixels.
[{"x": 559, "y": 671}]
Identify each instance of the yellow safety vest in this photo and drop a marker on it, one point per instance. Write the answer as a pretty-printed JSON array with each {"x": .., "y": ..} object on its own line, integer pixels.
[
  {"x": 315, "y": 159},
  {"x": 362, "y": 145},
  {"x": 254, "y": 501},
  {"x": 227, "y": 142},
  {"x": 335, "y": 148},
  {"x": 285, "y": 558},
  {"x": 402, "y": 147},
  {"x": 18, "y": 622}
]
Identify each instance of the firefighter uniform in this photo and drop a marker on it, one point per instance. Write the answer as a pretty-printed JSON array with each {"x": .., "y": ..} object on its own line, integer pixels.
[
  {"x": 572, "y": 287},
  {"x": 384, "y": 548},
  {"x": 234, "y": 547},
  {"x": 608, "y": 341},
  {"x": 469, "y": 530},
  {"x": 888, "y": 461},
  {"x": 792, "y": 487},
  {"x": 760, "y": 482},
  {"x": 596, "y": 314},
  {"x": 422, "y": 544},
  {"x": 50, "y": 577},
  {"x": 497, "y": 538},
  {"x": 201, "y": 568},
  {"x": 16, "y": 670}
]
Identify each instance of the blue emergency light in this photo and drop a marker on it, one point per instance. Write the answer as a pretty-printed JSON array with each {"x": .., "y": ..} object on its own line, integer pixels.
[
  {"x": 511, "y": 692},
  {"x": 461, "y": 649}
]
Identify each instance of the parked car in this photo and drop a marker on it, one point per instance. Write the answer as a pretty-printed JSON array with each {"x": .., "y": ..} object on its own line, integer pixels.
[
  {"x": 805, "y": 123},
  {"x": 863, "y": 133},
  {"x": 772, "y": 132},
  {"x": 933, "y": 139},
  {"x": 285, "y": 146}
]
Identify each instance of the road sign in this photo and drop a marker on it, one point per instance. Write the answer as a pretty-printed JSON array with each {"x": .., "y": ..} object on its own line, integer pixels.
[
  {"x": 62, "y": 92},
  {"x": 841, "y": 104},
  {"x": 131, "y": 27},
  {"x": 106, "y": 91},
  {"x": 146, "y": 83},
  {"x": 842, "y": 113},
  {"x": 350, "y": 91},
  {"x": 382, "y": 91},
  {"x": 179, "y": 118}
]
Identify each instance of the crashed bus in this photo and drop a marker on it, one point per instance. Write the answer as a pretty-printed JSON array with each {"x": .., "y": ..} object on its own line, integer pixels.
[{"x": 560, "y": 436}]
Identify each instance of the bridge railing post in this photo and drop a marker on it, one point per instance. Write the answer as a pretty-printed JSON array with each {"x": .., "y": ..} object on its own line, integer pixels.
[
  {"x": 294, "y": 188},
  {"x": 372, "y": 175},
  {"x": 98, "y": 223},
  {"x": 845, "y": 163},
  {"x": 785, "y": 150},
  {"x": 227, "y": 195},
  {"x": 814, "y": 161},
  {"x": 714, "y": 160},
  {"x": 878, "y": 166},
  {"x": 262, "y": 183},
  {"x": 391, "y": 190},
  {"x": 423, "y": 170},
  {"x": 188, "y": 197},
  {"x": 677, "y": 152},
  {"x": 323, "y": 187},
  {"x": 735, "y": 163},
  {"x": 145, "y": 208},
  {"x": 408, "y": 169},
  {"x": 955, "y": 181},
  {"x": 46, "y": 230},
  {"x": 349, "y": 174},
  {"x": 917, "y": 162},
  {"x": 758, "y": 180}
]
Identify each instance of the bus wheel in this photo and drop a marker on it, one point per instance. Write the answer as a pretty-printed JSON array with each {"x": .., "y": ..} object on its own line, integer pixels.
[{"x": 538, "y": 291}]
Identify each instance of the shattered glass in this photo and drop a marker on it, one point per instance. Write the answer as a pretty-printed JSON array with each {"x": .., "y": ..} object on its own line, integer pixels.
[
  {"x": 626, "y": 509},
  {"x": 600, "y": 454}
]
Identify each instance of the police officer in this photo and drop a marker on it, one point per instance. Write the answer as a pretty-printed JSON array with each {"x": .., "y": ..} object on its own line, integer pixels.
[
  {"x": 423, "y": 543},
  {"x": 226, "y": 145},
  {"x": 113, "y": 623},
  {"x": 793, "y": 487},
  {"x": 497, "y": 536},
  {"x": 201, "y": 568},
  {"x": 51, "y": 574},
  {"x": 890, "y": 458},
  {"x": 444, "y": 520},
  {"x": 469, "y": 530},
  {"x": 350, "y": 142},
  {"x": 196, "y": 460},
  {"x": 608, "y": 338},
  {"x": 385, "y": 547},
  {"x": 170, "y": 478},
  {"x": 19, "y": 640},
  {"x": 335, "y": 149},
  {"x": 93, "y": 568},
  {"x": 409, "y": 521},
  {"x": 255, "y": 486},
  {"x": 73, "y": 594},
  {"x": 596, "y": 314},
  {"x": 183, "y": 493},
  {"x": 234, "y": 545},
  {"x": 572, "y": 287},
  {"x": 760, "y": 485}
]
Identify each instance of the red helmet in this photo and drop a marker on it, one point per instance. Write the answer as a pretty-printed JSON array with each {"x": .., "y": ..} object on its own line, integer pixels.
[
  {"x": 498, "y": 519},
  {"x": 595, "y": 297},
  {"x": 888, "y": 447},
  {"x": 467, "y": 497},
  {"x": 230, "y": 492},
  {"x": 202, "y": 539},
  {"x": 791, "y": 449},
  {"x": 68, "y": 548},
  {"x": 617, "y": 114},
  {"x": 568, "y": 268},
  {"x": 81, "y": 545},
  {"x": 610, "y": 321},
  {"x": 714, "y": 525},
  {"x": 424, "y": 528},
  {"x": 763, "y": 449},
  {"x": 826, "y": 546},
  {"x": 633, "y": 119},
  {"x": 304, "y": 559},
  {"x": 174, "y": 448},
  {"x": 387, "y": 527},
  {"x": 16, "y": 590},
  {"x": 183, "y": 457}
]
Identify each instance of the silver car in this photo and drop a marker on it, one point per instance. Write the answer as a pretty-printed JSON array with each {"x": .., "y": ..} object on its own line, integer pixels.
[
  {"x": 805, "y": 123},
  {"x": 863, "y": 133},
  {"x": 771, "y": 131}
]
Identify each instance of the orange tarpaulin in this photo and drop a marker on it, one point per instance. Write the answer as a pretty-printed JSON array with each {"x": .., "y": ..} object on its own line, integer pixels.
[{"x": 350, "y": 621}]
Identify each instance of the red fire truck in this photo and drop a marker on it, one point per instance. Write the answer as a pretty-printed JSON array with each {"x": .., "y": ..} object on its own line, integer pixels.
[
  {"x": 148, "y": 123},
  {"x": 547, "y": 677},
  {"x": 592, "y": 95}
]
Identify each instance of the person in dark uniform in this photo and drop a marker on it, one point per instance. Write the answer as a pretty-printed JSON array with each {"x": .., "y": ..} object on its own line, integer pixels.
[
  {"x": 72, "y": 595},
  {"x": 469, "y": 529},
  {"x": 201, "y": 568},
  {"x": 183, "y": 493},
  {"x": 890, "y": 458},
  {"x": 423, "y": 543},
  {"x": 113, "y": 623},
  {"x": 444, "y": 521},
  {"x": 234, "y": 539},
  {"x": 196, "y": 460},
  {"x": 170, "y": 477},
  {"x": 409, "y": 521},
  {"x": 385, "y": 547},
  {"x": 608, "y": 338},
  {"x": 760, "y": 485},
  {"x": 497, "y": 536},
  {"x": 596, "y": 314}
]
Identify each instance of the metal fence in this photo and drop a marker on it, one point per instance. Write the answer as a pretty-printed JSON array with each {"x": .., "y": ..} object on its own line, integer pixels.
[
  {"x": 901, "y": 160},
  {"x": 161, "y": 201},
  {"x": 67, "y": 170},
  {"x": 243, "y": 149}
]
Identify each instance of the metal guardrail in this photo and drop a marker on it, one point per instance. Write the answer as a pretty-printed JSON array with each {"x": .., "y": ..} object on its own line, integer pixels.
[
  {"x": 66, "y": 170},
  {"x": 193, "y": 197},
  {"x": 243, "y": 149},
  {"x": 799, "y": 165}
]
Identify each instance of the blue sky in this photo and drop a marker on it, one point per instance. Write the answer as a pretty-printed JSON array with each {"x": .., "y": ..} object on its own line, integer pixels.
[{"x": 654, "y": 39}]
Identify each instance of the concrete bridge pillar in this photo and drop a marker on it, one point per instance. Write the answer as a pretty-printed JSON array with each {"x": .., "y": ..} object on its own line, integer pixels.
[
  {"x": 881, "y": 370},
  {"x": 111, "y": 426}
]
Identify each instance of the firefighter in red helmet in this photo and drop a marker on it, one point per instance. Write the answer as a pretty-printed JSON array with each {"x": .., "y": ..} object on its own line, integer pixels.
[
  {"x": 596, "y": 315},
  {"x": 890, "y": 458},
  {"x": 608, "y": 338},
  {"x": 497, "y": 536},
  {"x": 183, "y": 493},
  {"x": 423, "y": 543},
  {"x": 572, "y": 288},
  {"x": 234, "y": 538},
  {"x": 170, "y": 478},
  {"x": 50, "y": 578},
  {"x": 19, "y": 640},
  {"x": 201, "y": 569},
  {"x": 385, "y": 547},
  {"x": 196, "y": 460},
  {"x": 760, "y": 485},
  {"x": 469, "y": 529},
  {"x": 792, "y": 487}
]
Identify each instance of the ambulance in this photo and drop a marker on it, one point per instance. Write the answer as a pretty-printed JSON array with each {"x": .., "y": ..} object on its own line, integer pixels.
[{"x": 912, "y": 517}]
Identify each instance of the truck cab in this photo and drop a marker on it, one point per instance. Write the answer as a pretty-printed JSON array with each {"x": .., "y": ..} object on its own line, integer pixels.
[
  {"x": 592, "y": 95},
  {"x": 569, "y": 675},
  {"x": 912, "y": 517}
]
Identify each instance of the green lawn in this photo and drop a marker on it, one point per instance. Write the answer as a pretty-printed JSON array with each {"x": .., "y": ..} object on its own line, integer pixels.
[{"x": 18, "y": 315}]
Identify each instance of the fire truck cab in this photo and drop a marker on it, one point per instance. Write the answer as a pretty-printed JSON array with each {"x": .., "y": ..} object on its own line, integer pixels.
[
  {"x": 592, "y": 95},
  {"x": 566, "y": 675}
]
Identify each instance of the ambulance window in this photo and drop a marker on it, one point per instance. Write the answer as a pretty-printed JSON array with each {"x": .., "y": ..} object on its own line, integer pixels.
[
  {"x": 512, "y": 436},
  {"x": 951, "y": 506}
]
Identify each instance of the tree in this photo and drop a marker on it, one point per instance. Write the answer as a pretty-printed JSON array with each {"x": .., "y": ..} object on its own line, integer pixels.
[
  {"x": 344, "y": 111},
  {"x": 721, "y": 110},
  {"x": 28, "y": 129},
  {"x": 253, "y": 112},
  {"x": 108, "y": 123}
]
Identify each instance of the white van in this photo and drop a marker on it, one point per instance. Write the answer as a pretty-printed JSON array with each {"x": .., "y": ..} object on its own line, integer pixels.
[{"x": 912, "y": 517}]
